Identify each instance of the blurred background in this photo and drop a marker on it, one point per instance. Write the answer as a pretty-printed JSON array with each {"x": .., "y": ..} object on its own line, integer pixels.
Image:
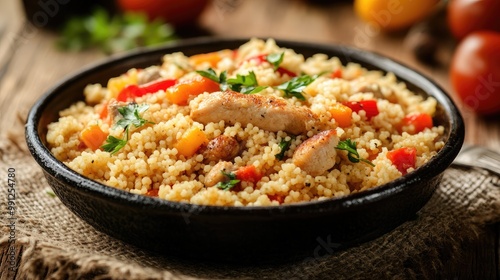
[{"x": 456, "y": 42}]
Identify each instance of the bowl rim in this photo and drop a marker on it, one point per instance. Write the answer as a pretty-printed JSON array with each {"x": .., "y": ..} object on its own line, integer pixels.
[{"x": 87, "y": 186}]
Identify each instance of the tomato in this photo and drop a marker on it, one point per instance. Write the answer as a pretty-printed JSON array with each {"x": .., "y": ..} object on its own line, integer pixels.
[
  {"x": 466, "y": 16},
  {"x": 475, "y": 72},
  {"x": 393, "y": 15},
  {"x": 178, "y": 13}
]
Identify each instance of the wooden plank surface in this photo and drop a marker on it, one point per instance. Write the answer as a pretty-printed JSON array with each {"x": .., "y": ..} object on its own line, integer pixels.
[{"x": 35, "y": 65}]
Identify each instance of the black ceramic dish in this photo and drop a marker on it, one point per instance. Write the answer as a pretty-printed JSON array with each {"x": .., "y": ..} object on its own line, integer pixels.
[{"x": 240, "y": 234}]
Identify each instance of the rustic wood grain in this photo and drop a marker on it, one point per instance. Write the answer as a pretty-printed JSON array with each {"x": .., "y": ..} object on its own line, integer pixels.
[{"x": 36, "y": 65}]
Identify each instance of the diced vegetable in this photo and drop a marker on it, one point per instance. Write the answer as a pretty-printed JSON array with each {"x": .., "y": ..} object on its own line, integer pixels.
[
  {"x": 403, "y": 158},
  {"x": 275, "y": 60},
  {"x": 417, "y": 122},
  {"x": 104, "y": 112},
  {"x": 369, "y": 106},
  {"x": 93, "y": 137},
  {"x": 211, "y": 58},
  {"x": 342, "y": 114},
  {"x": 152, "y": 193},
  {"x": 117, "y": 84},
  {"x": 336, "y": 74},
  {"x": 276, "y": 197},
  {"x": 180, "y": 93},
  {"x": 191, "y": 141},
  {"x": 248, "y": 173},
  {"x": 133, "y": 91}
]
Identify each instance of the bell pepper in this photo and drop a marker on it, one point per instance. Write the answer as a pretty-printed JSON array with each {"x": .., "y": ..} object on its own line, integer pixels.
[
  {"x": 403, "y": 158},
  {"x": 416, "y": 122},
  {"x": 133, "y": 91},
  {"x": 369, "y": 106}
]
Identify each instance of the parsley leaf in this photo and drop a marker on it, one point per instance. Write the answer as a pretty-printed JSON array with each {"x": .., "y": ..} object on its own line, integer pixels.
[
  {"x": 210, "y": 74},
  {"x": 296, "y": 85},
  {"x": 230, "y": 183},
  {"x": 113, "y": 144},
  {"x": 284, "y": 146},
  {"x": 275, "y": 59},
  {"x": 246, "y": 84},
  {"x": 352, "y": 152},
  {"x": 130, "y": 114}
]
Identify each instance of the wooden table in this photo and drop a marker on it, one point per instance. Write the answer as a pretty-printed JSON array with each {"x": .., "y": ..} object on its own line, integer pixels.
[{"x": 30, "y": 64}]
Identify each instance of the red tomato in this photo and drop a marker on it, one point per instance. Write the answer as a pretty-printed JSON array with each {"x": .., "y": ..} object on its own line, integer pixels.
[
  {"x": 466, "y": 16},
  {"x": 475, "y": 72},
  {"x": 178, "y": 13}
]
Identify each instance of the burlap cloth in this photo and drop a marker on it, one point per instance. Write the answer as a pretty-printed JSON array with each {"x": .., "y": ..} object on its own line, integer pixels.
[{"x": 52, "y": 243}]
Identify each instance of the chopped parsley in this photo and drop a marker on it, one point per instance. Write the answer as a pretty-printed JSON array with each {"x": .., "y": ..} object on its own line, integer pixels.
[
  {"x": 296, "y": 86},
  {"x": 275, "y": 59},
  {"x": 246, "y": 84},
  {"x": 130, "y": 117},
  {"x": 352, "y": 152},
  {"x": 230, "y": 183},
  {"x": 284, "y": 146}
]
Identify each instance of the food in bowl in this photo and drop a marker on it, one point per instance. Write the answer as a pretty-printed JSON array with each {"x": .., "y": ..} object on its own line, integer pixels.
[{"x": 259, "y": 125}]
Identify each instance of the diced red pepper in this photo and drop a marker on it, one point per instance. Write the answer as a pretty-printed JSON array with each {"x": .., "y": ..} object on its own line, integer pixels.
[
  {"x": 369, "y": 106},
  {"x": 336, "y": 74},
  {"x": 276, "y": 197},
  {"x": 417, "y": 122},
  {"x": 152, "y": 192},
  {"x": 248, "y": 173},
  {"x": 263, "y": 58},
  {"x": 133, "y": 91},
  {"x": 403, "y": 158}
]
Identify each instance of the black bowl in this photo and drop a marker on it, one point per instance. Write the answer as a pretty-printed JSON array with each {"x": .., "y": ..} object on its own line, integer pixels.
[{"x": 240, "y": 234}]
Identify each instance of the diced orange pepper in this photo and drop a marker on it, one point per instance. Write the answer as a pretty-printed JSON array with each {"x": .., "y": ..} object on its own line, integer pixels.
[
  {"x": 180, "y": 93},
  {"x": 211, "y": 58},
  {"x": 342, "y": 114},
  {"x": 93, "y": 137},
  {"x": 191, "y": 141}
]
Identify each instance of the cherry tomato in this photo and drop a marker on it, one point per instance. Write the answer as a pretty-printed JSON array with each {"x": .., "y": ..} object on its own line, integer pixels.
[
  {"x": 466, "y": 16},
  {"x": 475, "y": 72},
  {"x": 176, "y": 12},
  {"x": 392, "y": 15}
]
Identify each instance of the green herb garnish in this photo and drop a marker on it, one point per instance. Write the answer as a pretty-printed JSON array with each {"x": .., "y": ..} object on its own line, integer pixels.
[
  {"x": 352, "y": 152},
  {"x": 130, "y": 116},
  {"x": 296, "y": 86},
  {"x": 275, "y": 59},
  {"x": 246, "y": 84},
  {"x": 284, "y": 146},
  {"x": 113, "y": 34},
  {"x": 230, "y": 183}
]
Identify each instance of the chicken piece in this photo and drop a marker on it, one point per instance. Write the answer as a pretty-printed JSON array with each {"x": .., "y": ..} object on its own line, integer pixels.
[
  {"x": 317, "y": 154},
  {"x": 266, "y": 112},
  {"x": 149, "y": 74},
  {"x": 222, "y": 147},
  {"x": 214, "y": 176}
]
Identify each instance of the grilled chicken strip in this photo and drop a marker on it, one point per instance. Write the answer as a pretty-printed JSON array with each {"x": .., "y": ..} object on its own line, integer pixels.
[
  {"x": 222, "y": 147},
  {"x": 317, "y": 154},
  {"x": 215, "y": 175},
  {"x": 266, "y": 112}
]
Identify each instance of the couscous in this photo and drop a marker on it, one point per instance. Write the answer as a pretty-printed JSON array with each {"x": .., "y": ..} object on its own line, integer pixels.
[{"x": 259, "y": 125}]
